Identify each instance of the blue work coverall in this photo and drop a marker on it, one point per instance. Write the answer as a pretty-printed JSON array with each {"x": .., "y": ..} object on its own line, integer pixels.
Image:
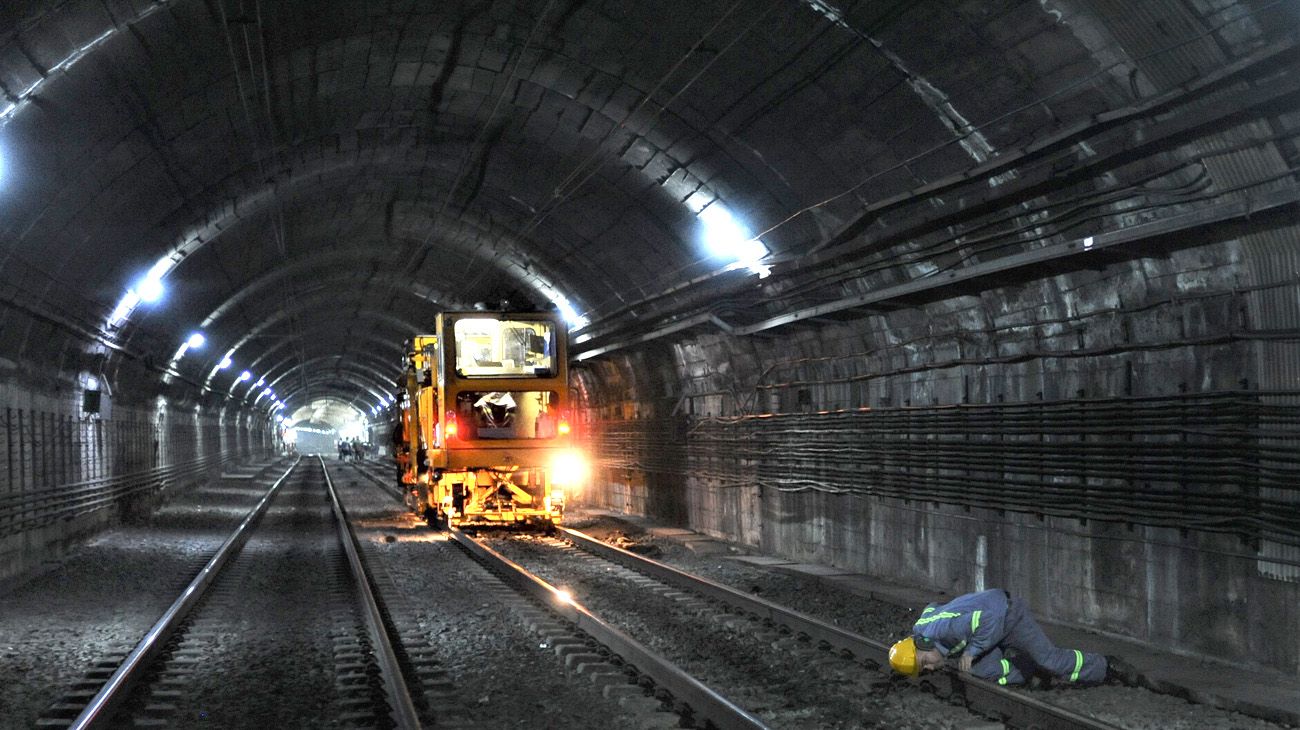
[{"x": 986, "y": 624}]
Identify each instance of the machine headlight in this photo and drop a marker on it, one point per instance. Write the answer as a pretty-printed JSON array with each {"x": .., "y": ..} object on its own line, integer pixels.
[{"x": 569, "y": 469}]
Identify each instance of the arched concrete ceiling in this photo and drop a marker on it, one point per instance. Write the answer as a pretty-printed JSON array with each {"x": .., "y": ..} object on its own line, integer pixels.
[
  {"x": 315, "y": 167},
  {"x": 329, "y": 410}
]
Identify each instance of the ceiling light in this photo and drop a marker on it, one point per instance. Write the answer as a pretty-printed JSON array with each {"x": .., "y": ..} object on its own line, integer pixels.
[
  {"x": 728, "y": 239},
  {"x": 149, "y": 289},
  {"x": 245, "y": 376},
  {"x": 196, "y": 340},
  {"x": 225, "y": 363}
]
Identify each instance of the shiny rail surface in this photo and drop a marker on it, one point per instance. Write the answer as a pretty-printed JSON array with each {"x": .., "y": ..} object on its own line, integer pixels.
[
  {"x": 99, "y": 711},
  {"x": 1016, "y": 708},
  {"x": 707, "y": 707},
  {"x": 401, "y": 708}
]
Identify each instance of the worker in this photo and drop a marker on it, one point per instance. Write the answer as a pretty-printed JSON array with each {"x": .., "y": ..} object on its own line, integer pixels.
[{"x": 993, "y": 636}]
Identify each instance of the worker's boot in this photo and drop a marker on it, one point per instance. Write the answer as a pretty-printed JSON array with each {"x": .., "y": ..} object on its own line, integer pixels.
[{"x": 1119, "y": 671}]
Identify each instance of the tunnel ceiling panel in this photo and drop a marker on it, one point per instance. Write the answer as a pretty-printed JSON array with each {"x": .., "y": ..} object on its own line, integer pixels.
[{"x": 310, "y": 179}]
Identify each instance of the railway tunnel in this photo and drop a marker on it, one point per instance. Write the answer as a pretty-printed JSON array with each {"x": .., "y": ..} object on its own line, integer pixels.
[{"x": 953, "y": 295}]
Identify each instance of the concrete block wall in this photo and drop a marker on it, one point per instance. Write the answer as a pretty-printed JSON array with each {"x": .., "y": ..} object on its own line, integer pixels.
[
  {"x": 1142, "y": 328},
  {"x": 61, "y": 447}
]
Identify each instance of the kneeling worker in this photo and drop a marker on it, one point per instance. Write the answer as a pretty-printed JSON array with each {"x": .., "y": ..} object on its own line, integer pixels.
[{"x": 981, "y": 628}]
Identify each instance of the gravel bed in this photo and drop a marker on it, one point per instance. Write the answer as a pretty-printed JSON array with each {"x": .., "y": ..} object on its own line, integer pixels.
[
  {"x": 267, "y": 657},
  {"x": 105, "y": 594},
  {"x": 1127, "y": 707},
  {"x": 784, "y": 683},
  {"x": 503, "y": 674}
]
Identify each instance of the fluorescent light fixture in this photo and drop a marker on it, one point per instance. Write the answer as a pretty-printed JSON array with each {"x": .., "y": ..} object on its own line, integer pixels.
[
  {"x": 149, "y": 289},
  {"x": 196, "y": 341},
  {"x": 260, "y": 381},
  {"x": 124, "y": 308},
  {"x": 225, "y": 363},
  {"x": 728, "y": 239},
  {"x": 245, "y": 376}
]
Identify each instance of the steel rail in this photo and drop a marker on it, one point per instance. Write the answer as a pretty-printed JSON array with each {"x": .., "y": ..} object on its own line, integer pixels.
[
  {"x": 981, "y": 695},
  {"x": 707, "y": 706},
  {"x": 99, "y": 711},
  {"x": 401, "y": 708}
]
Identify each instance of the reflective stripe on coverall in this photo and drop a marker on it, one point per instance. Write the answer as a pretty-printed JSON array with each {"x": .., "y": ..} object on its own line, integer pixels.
[{"x": 987, "y": 623}]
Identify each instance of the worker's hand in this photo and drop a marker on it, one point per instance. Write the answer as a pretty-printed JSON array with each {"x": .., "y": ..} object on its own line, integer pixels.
[{"x": 964, "y": 663}]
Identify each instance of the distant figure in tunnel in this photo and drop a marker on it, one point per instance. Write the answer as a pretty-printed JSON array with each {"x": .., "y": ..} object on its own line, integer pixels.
[
  {"x": 345, "y": 450},
  {"x": 993, "y": 636}
]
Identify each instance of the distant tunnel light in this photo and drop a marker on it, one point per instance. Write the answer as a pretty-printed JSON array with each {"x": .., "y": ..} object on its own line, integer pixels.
[
  {"x": 245, "y": 376},
  {"x": 728, "y": 239},
  {"x": 225, "y": 363},
  {"x": 196, "y": 341}
]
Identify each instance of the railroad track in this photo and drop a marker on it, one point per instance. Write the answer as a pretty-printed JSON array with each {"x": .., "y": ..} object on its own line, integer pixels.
[
  {"x": 803, "y": 641},
  {"x": 808, "y": 636},
  {"x": 285, "y": 595}
]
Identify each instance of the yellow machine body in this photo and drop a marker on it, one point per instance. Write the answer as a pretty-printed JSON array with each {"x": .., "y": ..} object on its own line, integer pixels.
[{"x": 484, "y": 436}]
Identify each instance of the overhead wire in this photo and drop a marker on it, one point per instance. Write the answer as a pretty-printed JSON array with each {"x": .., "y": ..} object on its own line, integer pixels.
[
  {"x": 290, "y": 298},
  {"x": 462, "y": 168},
  {"x": 277, "y": 219},
  {"x": 584, "y": 170},
  {"x": 976, "y": 128}
]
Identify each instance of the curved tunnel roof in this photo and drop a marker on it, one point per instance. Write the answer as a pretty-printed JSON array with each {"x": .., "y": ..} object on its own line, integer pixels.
[{"x": 319, "y": 178}]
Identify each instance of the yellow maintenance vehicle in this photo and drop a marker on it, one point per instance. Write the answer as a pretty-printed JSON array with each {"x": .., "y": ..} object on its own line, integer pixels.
[{"x": 484, "y": 431}]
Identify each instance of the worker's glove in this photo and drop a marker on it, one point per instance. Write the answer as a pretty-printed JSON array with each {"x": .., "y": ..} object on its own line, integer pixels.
[{"x": 964, "y": 663}]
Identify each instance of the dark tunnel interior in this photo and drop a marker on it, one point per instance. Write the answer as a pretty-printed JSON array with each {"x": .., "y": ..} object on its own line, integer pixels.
[{"x": 959, "y": 294}]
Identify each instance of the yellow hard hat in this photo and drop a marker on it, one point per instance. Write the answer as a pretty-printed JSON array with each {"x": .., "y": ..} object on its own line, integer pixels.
[{"x": 902, "y": 657}]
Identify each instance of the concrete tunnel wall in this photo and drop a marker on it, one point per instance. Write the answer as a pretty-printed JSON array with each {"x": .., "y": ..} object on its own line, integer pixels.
[
  {"x": 1128, "y": 331},
  {"x": 70, "y": 472},
  {"x": 1195, "y": 318}
]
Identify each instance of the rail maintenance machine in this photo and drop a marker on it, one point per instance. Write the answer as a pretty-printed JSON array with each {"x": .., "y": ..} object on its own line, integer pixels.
[{"x": 483, "y": 435}]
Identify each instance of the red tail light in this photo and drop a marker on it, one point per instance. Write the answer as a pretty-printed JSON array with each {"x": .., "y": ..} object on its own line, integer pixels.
[{"x": 452, "y": 426}]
